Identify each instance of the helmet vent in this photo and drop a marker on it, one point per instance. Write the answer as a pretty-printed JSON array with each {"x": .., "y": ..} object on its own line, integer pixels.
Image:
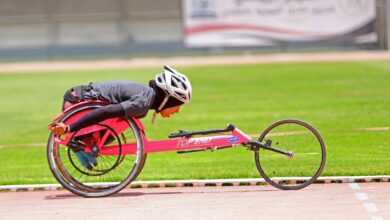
[{"x": 174, "y": 83}]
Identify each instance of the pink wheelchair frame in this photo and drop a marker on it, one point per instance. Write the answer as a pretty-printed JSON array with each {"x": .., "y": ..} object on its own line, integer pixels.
[{"x": 182, "y": 142}]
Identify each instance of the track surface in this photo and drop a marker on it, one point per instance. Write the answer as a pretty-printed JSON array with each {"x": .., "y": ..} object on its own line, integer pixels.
[{"x": 318, "y": 201}]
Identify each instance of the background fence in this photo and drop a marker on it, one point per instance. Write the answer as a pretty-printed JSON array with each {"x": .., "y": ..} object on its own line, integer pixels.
[{"x": 54, "y": 28}]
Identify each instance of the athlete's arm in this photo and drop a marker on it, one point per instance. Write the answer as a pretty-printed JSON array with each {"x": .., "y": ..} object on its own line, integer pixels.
[
  {"x": 97, "y": 115},
  {"x": 136, "y": 107}
]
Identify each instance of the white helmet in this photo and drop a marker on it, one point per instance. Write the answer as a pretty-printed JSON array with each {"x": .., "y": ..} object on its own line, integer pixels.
[{"x": 174, "y": 84}]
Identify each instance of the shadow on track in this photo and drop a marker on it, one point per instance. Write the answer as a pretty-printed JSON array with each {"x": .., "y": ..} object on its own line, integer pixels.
[
  {"x": 120, "y": 194},
  {"x": 134, "y": 194}
]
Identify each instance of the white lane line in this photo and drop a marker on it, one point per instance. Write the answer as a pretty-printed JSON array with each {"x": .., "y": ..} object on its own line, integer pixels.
[
  {"x": 354, "y": 186},
  {"x": 370, "y": 207},
  {"x": 375, "y": 129},
  {"x": 361, "y": 196}
]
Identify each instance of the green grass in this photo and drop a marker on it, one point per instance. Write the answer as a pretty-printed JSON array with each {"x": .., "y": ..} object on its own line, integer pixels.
[{"x": 336, "y": 97}]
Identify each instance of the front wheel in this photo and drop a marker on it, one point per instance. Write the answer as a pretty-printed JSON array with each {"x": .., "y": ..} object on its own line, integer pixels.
[{"x": 304, "y": 162}]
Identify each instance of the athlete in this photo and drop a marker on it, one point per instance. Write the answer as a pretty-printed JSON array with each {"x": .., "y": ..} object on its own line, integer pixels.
[{"x": 165, "y": 95}]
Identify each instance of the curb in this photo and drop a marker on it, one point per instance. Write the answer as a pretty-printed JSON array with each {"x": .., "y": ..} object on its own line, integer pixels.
[{"x": 205, "y": 183}]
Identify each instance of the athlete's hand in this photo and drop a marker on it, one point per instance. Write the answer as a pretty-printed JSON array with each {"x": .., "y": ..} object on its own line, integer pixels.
[{"x": 59, "y": 128}]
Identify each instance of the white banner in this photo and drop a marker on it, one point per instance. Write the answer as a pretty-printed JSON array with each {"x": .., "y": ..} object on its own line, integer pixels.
[{"x": 267, "y": 22}]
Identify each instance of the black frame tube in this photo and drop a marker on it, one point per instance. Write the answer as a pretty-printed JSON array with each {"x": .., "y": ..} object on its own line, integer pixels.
[
  {"x": 188, "y": 134},
  {"x": 267, "y": 147}
]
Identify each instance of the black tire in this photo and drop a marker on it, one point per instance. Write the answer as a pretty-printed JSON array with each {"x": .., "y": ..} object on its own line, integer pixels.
[
  {"x": 298, "y": 171},
  {"x": 142, "y": 165},
  {"x": 108, "y": 177}
]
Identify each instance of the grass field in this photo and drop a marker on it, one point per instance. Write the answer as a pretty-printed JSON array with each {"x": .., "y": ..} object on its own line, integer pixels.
[{"x": 338, "y": 98}]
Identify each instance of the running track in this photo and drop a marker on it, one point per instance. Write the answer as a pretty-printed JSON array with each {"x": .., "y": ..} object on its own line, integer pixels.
[{"x": 318, "y": 201}]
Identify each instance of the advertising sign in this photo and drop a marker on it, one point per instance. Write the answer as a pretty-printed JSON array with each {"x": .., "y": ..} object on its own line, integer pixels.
[{"x": 269, "y": 22}]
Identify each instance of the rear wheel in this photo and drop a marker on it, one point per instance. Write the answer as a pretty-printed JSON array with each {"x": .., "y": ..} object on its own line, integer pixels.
[
  {"x": 111, "y": 173},
  {"x": 306, "y": 161}
]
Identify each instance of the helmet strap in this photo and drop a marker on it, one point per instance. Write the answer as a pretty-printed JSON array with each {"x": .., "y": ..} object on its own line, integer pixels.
[
  {"x": 159, "y": 108},
  {"x": 154, "y": 117},
  {"x": 163, "y": 103}
]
